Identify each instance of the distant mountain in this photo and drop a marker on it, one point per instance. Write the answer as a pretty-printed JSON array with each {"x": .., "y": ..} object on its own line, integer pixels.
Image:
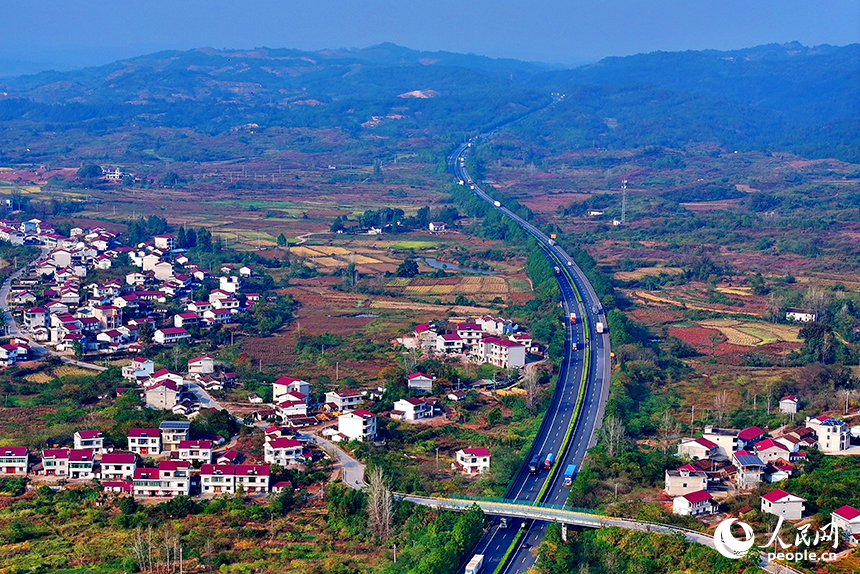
[
  {"x": 806, "y": 85},
  {"x": 768, "y": 97}
]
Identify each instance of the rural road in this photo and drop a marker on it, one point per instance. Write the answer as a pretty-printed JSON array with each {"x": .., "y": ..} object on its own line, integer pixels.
[{"x": 353, "y": 471}]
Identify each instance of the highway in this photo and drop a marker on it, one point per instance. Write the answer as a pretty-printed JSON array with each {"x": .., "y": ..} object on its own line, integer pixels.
[{"x": 570, "y": 398}]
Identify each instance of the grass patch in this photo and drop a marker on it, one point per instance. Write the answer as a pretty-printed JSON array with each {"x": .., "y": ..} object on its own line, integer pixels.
[{"x": 413, "y": 245}]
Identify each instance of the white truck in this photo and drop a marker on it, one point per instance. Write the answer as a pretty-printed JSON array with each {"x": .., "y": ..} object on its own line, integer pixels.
[
  {"x": 475, "y": 564},
  {"x": 598, "y": 327},
  {"x": 497, "y": 203}
]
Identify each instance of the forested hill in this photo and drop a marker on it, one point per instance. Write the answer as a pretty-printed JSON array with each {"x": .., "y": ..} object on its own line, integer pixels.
[
  {"x": 769, "y": 97},
  {"x": 806, "y": 85}
]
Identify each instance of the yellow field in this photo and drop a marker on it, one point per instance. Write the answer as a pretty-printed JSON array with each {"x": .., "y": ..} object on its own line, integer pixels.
[
  {"x": 743, "y": 291},
  {"x": 646, "y": 271},
  {"x": 66, "y": 370},
  {"x": 329, "y": 262},
  {"x": 364, "y": 259},
  {"x": 303, "y": 251},
  {"x": 752, "y": 333},
  {"x": 39, "y": 377}
]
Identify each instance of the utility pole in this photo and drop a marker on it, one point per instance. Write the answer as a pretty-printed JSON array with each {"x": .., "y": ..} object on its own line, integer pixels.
[
  {"x": 692, "y": 414},
  {"x": 623, "y": 202}
]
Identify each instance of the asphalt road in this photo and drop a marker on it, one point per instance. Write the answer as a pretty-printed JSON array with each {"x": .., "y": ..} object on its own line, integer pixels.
[{"x": 550, "y": 437}]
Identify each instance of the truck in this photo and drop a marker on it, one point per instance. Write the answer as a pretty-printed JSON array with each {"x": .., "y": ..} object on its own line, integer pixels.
[
  {"x": 497, "y": 203},
  {"x": 598, "y": 327},
  {"x": 556, "y": 270},
  {"x": 547, "y": 462},
  {"x": 534, "y": 464},
  {"x": 568, "y": 474},
  {"x": 475, "y": 564},
  {"x": 573, "y": 318}
]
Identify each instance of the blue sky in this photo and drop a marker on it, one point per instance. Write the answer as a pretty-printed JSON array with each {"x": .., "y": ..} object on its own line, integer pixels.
[{"x": 87, "y": 32}]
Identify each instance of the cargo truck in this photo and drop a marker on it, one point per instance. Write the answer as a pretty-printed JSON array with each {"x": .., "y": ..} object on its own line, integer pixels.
[
  {"x": 568, "y": 474},
  {"x": 598, "y": 327},
  {"x": 475, "y": 564},
  {"x": 534, "y": 464},
  {"x": 550, "y": 458}
]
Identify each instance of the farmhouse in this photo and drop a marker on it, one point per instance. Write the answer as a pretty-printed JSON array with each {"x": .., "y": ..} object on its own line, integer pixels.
[
  {"x": 411, "y": 409},
  {"x": 195, "y": 450},
  {"x": 90, "y": 439},
  {"x": 227, "y": 478},
  {"x": 171, "y": 478},
  {"x": 800, "y": 315},
  {"x": 283, "y": 451},
  {"x": 832, "y": 434},
  {"x": 346, "y": 399},
  {"x": 788, "y": 404},
  {"x": 697, "y": 448},
  {"x": 204, "y": 365},
  {"x": 419, "y": 382},
  {"x": 357, "y": 425},
  {"x": 847, "y": 518},
  {"x": 14, "y": 459},
  {"x": 782, "y": 503},
  {"x": 694, "y": 504},
  {"x": 170, "y": 335},
  {"x": 144, "y": 441},
  {"x": 685, "y": 480},
  {"x": 118, "y": 466},
  {"x": 173, "y": 433},
  {"x": 473, "y": 460}
]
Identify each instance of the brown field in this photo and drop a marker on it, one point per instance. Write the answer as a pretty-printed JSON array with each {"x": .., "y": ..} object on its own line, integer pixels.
[{"x": 646, "y": 271}]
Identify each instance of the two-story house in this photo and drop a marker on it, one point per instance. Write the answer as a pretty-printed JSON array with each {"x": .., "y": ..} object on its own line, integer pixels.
[
  {"x": 345, "y": 400},
  {"x": 782, "y": 503},
  {"x": 171, "y": 478},
  {"x": 14, "y": 460},
  {"x": 144, "y": 441},
  {"x": 685, "y": 480},
  {"x": 283, "y": 451},
  {"x": 473, "y": 460},
  {"x": 411, "y": 409},
  {"x": 357, "y": 425},
  {"x": 92, "y": 439},
  {"x": 228, "y": 478},
  {"x": 118, "y": 466},
  {"x": 196, "y": 451},
  {"x": 173, "y": 433}
]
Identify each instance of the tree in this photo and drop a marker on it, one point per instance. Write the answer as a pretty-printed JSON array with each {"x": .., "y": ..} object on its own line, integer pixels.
[
  {"x": 204, "y": 240},
  {"x": 78, "y": 349},
  {"x": 494, "y": 417},
  {"x": 380, "y": 504},
  {"x": 613, "y": 435},
  {"x": 282, "y": 240},
  {"x": 90, "y": 171},
  {"x": 408, "y": 268},
  {"x": 721, "y": 405},
  {"x": 145, "y": 331},
  {"x": 531, "y": 390}
]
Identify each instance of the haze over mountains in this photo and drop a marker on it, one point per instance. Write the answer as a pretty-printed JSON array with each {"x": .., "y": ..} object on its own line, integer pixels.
[{"x": 769, "y": 96}]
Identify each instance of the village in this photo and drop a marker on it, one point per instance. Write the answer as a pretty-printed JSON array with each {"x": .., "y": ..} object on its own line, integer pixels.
[
  {"x": 109, "y": 319},
  {"x": 729, "y": 462}
]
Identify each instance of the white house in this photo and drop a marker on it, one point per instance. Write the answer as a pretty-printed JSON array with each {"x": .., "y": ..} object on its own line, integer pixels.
[
  {"x": 73, "y": 463},
  {"x": 770, "y": 450},
  {"x": 171, "y": 478},
  {"x": 412, "y": 409},
  {"x": 346, "y": 399},
  {"x": 170, "y": 335},
  {"x": 144, "y": 442},
  {"x": 14, "y": 460},
  {"x": 118, "y": 466},
  {"x": 788, "y": 404},
  {"x": 173, "y": 433},
  {"x": 749, "y": 469},
  {"x": 832, "y": 434},
  {"x": 419, "y": 382},
  {"x": 93, "y": 439},
  {"x": 285, "y": 385},
  {"x": 501, "y": 352},
  {"x": 697, "y": 448},
  {"x": 357, "y": 425},
  {"x": 162, "y": 395},
  {"x": 283, "y": 451},
  {"x": 204, "y": 365},
  {"x": 449, "y": 343},
  {"x": 473, "y": 460},
  {"x": 799, "y": 315},
  {"x": 195, "y": 450},
  {"x": 694, "y": 504},
  {"x": 847, "y": 519},
  {"x": 727, "y": 440},
  {"x": 227, "y": 478},
  {"x": 685, "y": 480},
  {"x": 782, "y": 503},
  {"x": 470, "y": 333}
]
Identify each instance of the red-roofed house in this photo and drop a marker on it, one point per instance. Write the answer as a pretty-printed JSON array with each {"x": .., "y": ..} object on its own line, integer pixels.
[
  {"x": 171, "y": 478},
  {"x": 697, "y": 448},
  {"x": 227, "y": 478},
  {"x": 118, "y": 466},
  {"x": 188, "y": 319},
  {"x": 357, "y": 425},
  {"x": 501, "y": 352},
  {"x": 788, "y": 404},
  {"x": 283, "y": 451},
  {"x": 144, "y": 441},
  {"x": 449, "y": 343},
  {"x": 14, "y": 459},
  {"x": 286, "y": 385},
  {"x": 685, "y": 480},
  {"x": 473, "y": 460},
  {"x": 782, "y": 503},
  {"x": 93, "y": 439},
  {"x": 162, "y": 395},
  {"x": 847, "y": 518},
  {"x": 195, "y": 450},
  {"x": 751, "y": 435},
  {"x": 420, "y": 382},
  {"x": 470, "y": 333},
  {"x": 170, "y": 335},
  {"x": 74, "y": 463},
  {"x": 412, "y": 409},
  {"x": 769, "y": 450},
  {"x": 694, "y": 504},
  {"x": 228, "y": 457},
  {"x": 203, "y": 365},
  {"x": 346, "y": 399}
]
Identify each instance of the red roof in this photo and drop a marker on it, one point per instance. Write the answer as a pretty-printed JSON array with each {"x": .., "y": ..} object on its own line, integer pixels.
[
  {"x": 478, "y": 451},
  {"x": 229, "y": 455},
  {"x": 468, "y": 327},
  {"x": 144, "y": 432},
  {"x": 81, "y": 454},
  {"x": 285, "y": 442},
  {"x": 362, "y": 413},
  {"x": 118, "y": 458},
  {"x": 174, "y": 464},
  {"x": 204, "y": 444},
  {"x": 147, "y": 473},
  {"x": 698, "y": 496},
  {"x": 415, "y": 375},
  {"x": 173, "y": 331},
  {"x": 706, "y": 443},
  {"x": 89, "y": 433},
  {"x": 13, "y": 451},
  {"x": 200, "y": 358},
  {"x": 750, "y": 433},
  {"x": 791, "y": 398},
  {"x": 287, "y": 381},
  {"x": 690, "y": 467},
  {"x": 776, "y": 495},
  {"x": 847, "y": 512},
  {"x": 769, "y": 443}
]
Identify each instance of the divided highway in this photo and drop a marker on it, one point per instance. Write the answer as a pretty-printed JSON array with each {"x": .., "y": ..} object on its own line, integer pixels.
[{"x": 579, "y": 399}]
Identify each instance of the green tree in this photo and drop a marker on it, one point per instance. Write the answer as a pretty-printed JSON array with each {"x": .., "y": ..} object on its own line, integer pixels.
[
  {"x": 408, "y": 268},
  {"x": 78, "y": 349},
  {"x": 145, "y": 332},
  {"x": 282, "y": 240},
  {"x": 494, "y": 417},
  {"x": 90, "y": 171}
]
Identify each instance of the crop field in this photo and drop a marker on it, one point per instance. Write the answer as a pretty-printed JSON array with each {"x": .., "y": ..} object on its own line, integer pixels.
[
  {"x": 753, "y": 333},
  {"x": 414, "y": 245},
  {"x": 645, "y": 272}
]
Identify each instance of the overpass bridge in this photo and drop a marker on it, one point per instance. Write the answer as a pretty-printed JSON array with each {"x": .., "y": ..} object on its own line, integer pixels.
[{"x": 581, "y": 517}]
